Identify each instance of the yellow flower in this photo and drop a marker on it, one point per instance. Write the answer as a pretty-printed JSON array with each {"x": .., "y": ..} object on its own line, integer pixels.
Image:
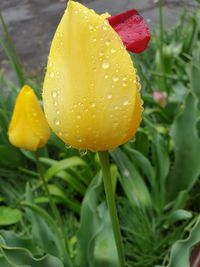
[
  {"x": 91, "y": 92},
  {"x": 28, "y": 127}
]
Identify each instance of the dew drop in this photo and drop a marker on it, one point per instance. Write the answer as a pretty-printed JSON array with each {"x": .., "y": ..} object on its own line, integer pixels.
[
  {"x": 60, "y": 133},
  {"x": 109, "y": 96},
  {"x": 78, "y": 117},
  {"x": 52, "y": 75},
  {"x": 79, "y": 140},
  {"x": 57, "y": 122},
  {"x": 126, "y": 103},
  {"x": 113, "y": 50},
  {"x": 124, "y": 84},
  {"x": 106, "y": 76},
  {"x": 67, "y": 146},
  {"x": 107, "y": 43},
  {"x": 94, "y": 40},
  {"x": 82, "y": 152},
  {"x": 101, "y": 54},
  {"x": 91, "y": 27},
  {"x": 54, "y": 94},
  {"x": 116, "y": 124},
  {"x": 132, "y": 140},
  {"x": 105, "y": 64},
  {"x": 137, "y": 79},
  {"x": 55, "y": 104},
  {"x": 93, "y": 105},
  {"x": 139, "y": 86},
  {"x": 115, "y": 79}
]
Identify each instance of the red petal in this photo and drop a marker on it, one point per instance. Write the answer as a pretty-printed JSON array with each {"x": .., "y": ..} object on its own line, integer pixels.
[{"x": 132, "y": 29}]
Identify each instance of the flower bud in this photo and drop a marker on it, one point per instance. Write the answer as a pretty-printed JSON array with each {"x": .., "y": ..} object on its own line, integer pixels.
[
  {"x": 91, "y": 91},
  {"x": 28, "y": 128}
]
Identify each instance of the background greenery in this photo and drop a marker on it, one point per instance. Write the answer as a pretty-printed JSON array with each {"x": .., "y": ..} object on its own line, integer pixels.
[{"x": 155, "y": 176}]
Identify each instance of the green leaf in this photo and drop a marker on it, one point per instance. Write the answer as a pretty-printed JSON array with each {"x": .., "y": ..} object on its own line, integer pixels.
[
  {"x": 143, "y": 164},
  {"x": 65, "y": 176},
  {"x": 131, "y": 180},
  {"x": 180, "y": 252},
  {"x": 45, "y": 231},
  {"x": 11, "y": 239},
  {"x": 187, "y": 146},
  {"x": 105, "y": 252},
  {"x": 6, "y": 159},
  {"x": 178, "y": 215},
  {"x": 89, "y": 222},
  {"x": 160, "y": 156},
  {"x": 9, "y": 216},
  {"x": 58, "y": 192},
  {"x": 21, "y": 257},
  {"x": 96, "y": 245},
  {"x": 63, "y": 165}
]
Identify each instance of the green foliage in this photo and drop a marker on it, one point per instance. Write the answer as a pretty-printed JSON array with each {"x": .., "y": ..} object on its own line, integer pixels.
[
  {"x": 155, "y": 177},
  {"x": 96, "y": 246}
]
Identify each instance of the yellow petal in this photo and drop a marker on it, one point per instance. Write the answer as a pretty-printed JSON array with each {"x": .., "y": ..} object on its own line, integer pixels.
[
  {"x": 90, "y": 89},
  {"x": 28, "y": 127}
]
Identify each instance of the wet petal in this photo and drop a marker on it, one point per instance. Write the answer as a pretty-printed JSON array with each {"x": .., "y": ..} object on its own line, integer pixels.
[
  {"x": 132, "y": 29},
  {"x": 89, "y": 90}
]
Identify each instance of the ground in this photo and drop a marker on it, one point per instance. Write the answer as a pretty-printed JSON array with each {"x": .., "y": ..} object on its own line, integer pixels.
[{"x": 33, "y": 23}]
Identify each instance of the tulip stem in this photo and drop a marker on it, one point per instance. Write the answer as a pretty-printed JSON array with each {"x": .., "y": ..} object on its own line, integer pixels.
[
  {"x": 51, "y": 201},
  {"x": 104, "y": 159}
]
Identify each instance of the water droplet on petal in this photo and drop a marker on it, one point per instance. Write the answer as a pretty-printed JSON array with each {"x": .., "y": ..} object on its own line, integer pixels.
[
  {"x": 54, "y": 94},
  {"x": 105, "y": 64},
  {"x": 78, "y": 117},
  {"x": 115, "y": 79},
  {"x": 107, "y": 43},
  {"x": 57, "y": 122},
  {"x": 126, "y": 103},
  {"x": 139, "y": 86},
  {"x": 109, "y": 96},
  {"x": 93, "y": 105},
  {"x": 52, "y": 75},
  {"x": 91, "y": 27}
]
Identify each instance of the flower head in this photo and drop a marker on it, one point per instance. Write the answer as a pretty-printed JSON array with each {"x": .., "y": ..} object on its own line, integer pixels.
[
  {"x": 28, "y": 127},
  {"x": 91, "y": 91}
]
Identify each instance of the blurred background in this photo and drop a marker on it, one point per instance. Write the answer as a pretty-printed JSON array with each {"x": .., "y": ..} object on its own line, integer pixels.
[{"x": 32, "y": 23}]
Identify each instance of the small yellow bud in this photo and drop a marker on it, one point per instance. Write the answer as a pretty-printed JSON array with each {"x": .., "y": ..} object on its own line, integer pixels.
[{"x": 28, "y": 128}]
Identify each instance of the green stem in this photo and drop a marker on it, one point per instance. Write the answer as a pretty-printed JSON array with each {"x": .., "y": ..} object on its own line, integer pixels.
[
  {"x": 104, "y": 159},
  {"x": 51, "y": 201}
]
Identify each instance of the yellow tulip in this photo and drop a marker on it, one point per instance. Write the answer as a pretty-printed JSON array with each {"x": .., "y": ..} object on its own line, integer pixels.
[
  {"x": 91, "y": 91},
  {"x": 28, "y": 127}
]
